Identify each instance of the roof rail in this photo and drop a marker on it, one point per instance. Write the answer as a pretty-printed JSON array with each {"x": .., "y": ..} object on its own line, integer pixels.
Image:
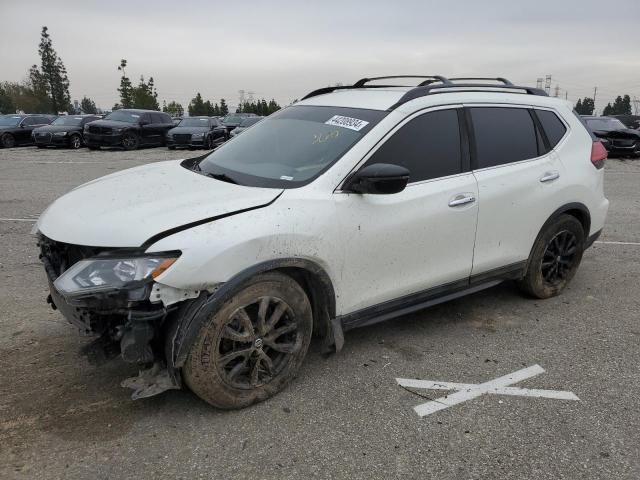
[
  {"x": 496, "y": 79},
  {"x": 435, "y": 84},
  {"x": 431, "y": 78}
]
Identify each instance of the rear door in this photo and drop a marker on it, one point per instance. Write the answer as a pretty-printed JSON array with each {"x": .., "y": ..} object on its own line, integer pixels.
[
  {"x": 418, "y": 239},
  {"x": 519, "y": 179}
]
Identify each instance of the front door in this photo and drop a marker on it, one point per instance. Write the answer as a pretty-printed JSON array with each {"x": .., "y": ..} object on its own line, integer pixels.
[{"x": 418, "y": 239}]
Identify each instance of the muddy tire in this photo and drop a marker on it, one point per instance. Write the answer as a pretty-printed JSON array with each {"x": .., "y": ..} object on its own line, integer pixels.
[
  {"x": 7, "y": 140},
  {"x": 253, "y": 345},
  {"x": 555, "y": 258}
]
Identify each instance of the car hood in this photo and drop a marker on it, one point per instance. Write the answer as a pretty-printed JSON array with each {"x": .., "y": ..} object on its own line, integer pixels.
[
  {"x": 188, "y": 130},
  {"x": 57, "y": 128},
  {"x": 127, "y": 208}
]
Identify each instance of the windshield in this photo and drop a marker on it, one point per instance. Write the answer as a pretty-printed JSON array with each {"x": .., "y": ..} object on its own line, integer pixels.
[
  {"x": 233, "y": 119},
  {"x": 194, "y": 122},
  {"x": 606, "y": 124},
  {"x": 247, "y": 122},
  {"x": 75, "y": 121},
  {"x": 9, "y": 120},
  {"x": 122, "y": 116},
  {"x": 291, "y": 147}
]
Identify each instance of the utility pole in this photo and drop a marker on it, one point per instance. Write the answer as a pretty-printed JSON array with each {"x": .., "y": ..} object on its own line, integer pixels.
[
  {"x": 539, "y": 82},
  {"x": 595, "y": 90},
  {"x": 547, "y": 84},
  {"x": 241, "y": 98},
  {"x": 636, "y": 106},
  {"x": 566, "y": 94},
  {"x": 557, "y": 91}
]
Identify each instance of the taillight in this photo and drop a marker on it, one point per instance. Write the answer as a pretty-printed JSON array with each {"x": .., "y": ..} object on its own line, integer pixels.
[{"x": 598, "y": 154}]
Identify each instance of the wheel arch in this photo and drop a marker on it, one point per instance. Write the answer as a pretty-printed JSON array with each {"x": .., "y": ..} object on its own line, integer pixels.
[
  {"x": 576, "y": 210},
  {"x": 314, "y": 280}
]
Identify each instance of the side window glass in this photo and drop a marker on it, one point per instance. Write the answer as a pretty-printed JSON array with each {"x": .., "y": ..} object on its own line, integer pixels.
[
  {"x": 503, "y": 135},
  {"x": 552, "y": 125},
  {"x": 29, "y": 121},
  {"x": 428, "y": 146}
]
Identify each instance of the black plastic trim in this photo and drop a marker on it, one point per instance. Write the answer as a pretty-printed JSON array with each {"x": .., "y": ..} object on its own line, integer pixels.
[
  {"x": 592, "y": 239},
  {"x": 195, "y": 317},
  {"x": 433, "y": 296}
]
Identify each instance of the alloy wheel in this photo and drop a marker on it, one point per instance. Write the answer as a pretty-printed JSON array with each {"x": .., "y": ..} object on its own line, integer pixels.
[
  {"x": 559, "y": 257},
  {"x": 257, "y": 343}
]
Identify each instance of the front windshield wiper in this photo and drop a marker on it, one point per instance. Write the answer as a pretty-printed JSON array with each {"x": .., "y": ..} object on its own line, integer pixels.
[{"x": 222, "y": 177}]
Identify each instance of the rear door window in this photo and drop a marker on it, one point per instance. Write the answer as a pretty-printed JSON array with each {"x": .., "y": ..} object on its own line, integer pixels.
[
  {"x": 552, "y": 125},
  {"x": 503, "y": 135},
  {"x": 428, "y": 146}
]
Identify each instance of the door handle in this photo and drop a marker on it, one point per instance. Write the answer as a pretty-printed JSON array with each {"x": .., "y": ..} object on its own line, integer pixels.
[
  {"x": 462, "y": 199},
  {"x": 550, "y": 177}
]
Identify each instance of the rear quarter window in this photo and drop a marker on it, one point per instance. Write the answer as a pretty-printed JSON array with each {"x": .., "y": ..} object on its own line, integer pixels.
[
  {"x": 503, "y": 135},
  {"x": 552, "y": 125}
]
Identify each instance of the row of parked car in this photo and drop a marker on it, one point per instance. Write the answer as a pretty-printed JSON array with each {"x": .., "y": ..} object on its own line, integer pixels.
[{"x": 128, "y": 128}]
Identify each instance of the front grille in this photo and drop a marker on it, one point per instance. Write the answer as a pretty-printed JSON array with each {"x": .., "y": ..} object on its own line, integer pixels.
[
  {"x": 182, "y": 138},
  {"x": 100, "y": 130}
]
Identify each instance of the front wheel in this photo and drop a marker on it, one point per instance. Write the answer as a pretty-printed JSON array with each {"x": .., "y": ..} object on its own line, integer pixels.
[
  {"x": 7, "y": 140},
  {"x": 130, "y": 141},
  {"x": 253, "y": 345},
  {"x": 75, "y": 141},
  {"x": 555, "y": 258}
]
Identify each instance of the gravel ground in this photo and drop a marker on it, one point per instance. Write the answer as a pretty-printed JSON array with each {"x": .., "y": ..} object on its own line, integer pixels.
[{"x": 344, "y": 416}]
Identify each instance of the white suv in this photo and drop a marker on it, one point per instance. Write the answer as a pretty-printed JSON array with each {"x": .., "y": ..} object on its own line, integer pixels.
[{"x": 353, "y": 206}]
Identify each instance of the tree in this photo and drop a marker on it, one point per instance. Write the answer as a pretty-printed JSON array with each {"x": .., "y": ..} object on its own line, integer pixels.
[
  {"x": 6, "y": 101},
  {"x": 585, "y": 106},
  {"x": 173, "y": 108},
  {"x": 196, "y": 106},
  {"x": 224, "y": 109},
  {"x": 88, "y": 106},
  {"x": 126, "y": 89},
  {"x": 621, "y": 106},
  {"x": 145, "y": 95},
  {"x": 50, "y": 80}
]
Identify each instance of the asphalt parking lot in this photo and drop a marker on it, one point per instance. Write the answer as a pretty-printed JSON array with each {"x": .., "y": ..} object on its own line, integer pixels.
[{"x": 345, "y": 416}]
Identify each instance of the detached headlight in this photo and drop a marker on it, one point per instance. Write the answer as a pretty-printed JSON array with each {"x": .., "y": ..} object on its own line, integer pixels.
[
  {"x": 117, "y": 130},
  {"x": 197, "y": 135},
  {"x": 102, "y": 274},
  {"x": 60, "y": 134}
]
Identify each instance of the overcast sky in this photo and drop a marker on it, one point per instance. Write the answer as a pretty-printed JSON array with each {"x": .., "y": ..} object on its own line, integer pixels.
[{"x": 283, "y": 49}]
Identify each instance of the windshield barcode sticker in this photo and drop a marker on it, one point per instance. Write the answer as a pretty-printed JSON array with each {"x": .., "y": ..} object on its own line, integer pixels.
[{"x": 347, "y": 122}]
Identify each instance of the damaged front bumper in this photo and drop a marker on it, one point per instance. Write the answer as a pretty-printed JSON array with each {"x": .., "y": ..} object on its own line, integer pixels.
[{"x": 131, "y": 321}]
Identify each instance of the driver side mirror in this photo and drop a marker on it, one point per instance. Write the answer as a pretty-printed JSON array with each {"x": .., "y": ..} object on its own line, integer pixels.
[{"x": 378, "y": 179}]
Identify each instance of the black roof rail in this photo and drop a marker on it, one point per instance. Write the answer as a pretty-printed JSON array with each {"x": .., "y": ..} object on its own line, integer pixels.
[
  {"x": 362, "y": 83},
  {"x": 496, "y": 79},
  {"x": 434, "y": 84},
  {"x": 418, "y": 92},
  {"x": 431, "y": 78}
]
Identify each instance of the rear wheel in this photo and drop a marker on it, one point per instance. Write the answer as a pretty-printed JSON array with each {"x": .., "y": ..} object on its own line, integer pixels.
[
  {"x": 555, "y": 258},
  {"x": 253, "y": 345},
  {"x": 7, "y": 140},
  {"x": 75, "y": 141},
  {"x": 130, "y": 141}
]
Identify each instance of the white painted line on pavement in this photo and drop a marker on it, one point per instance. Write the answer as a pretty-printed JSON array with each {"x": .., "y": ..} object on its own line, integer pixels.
[
  {"x": 32, "y": 220},
  {"x": 617, "y": 243},
  {"x": 469, "y": 391}
]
